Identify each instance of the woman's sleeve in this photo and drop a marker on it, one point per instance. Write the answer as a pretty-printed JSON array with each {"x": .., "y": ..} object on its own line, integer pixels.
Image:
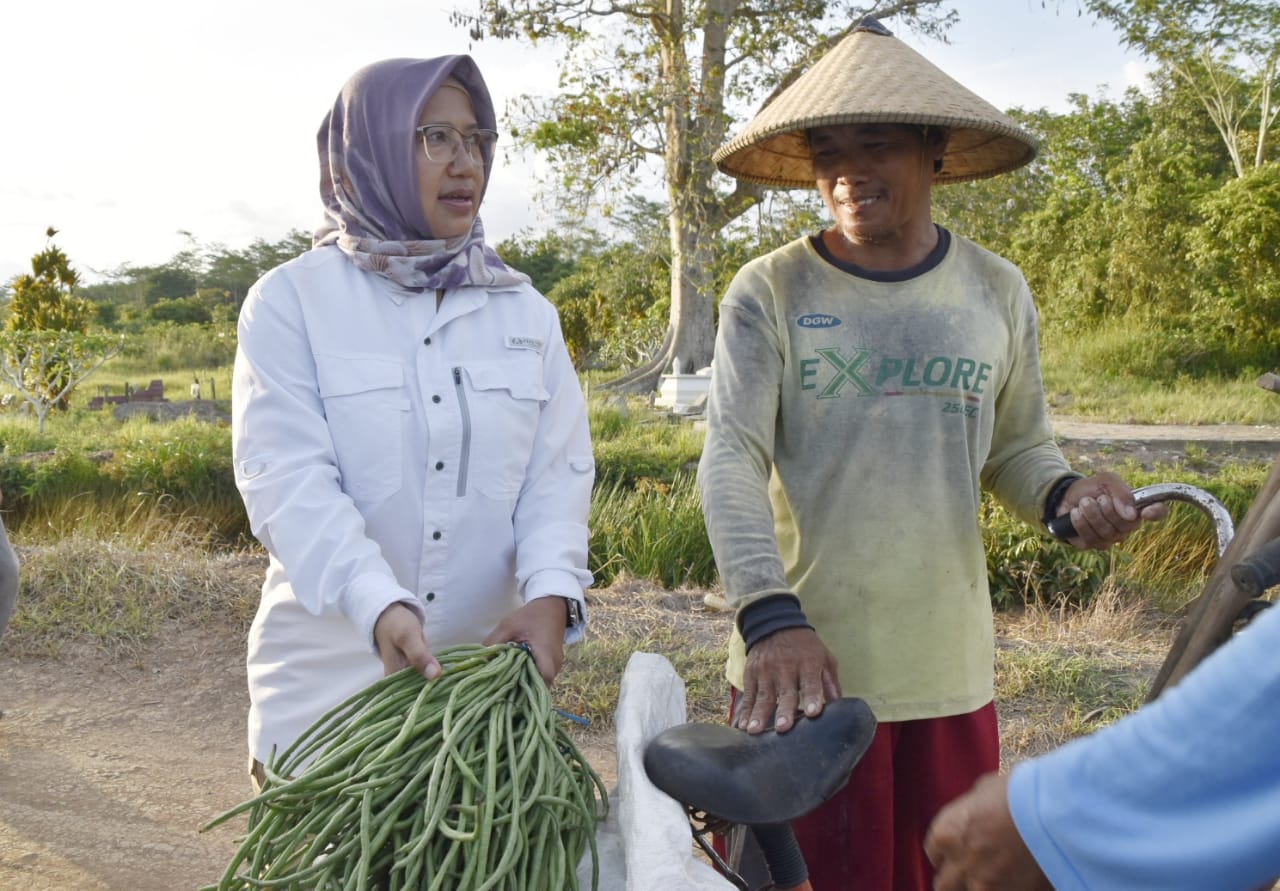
[
  {"x": 287, "y": 471},
  {"x": 551, "y": 513},
  {"x": 1182, "y": 794}
]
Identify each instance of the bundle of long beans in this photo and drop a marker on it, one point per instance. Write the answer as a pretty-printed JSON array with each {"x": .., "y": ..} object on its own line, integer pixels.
[{"x": 468, "y": 782}]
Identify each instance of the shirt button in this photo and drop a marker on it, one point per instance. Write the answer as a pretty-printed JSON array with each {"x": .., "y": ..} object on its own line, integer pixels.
[
  {"x": 439, "y": 465},
  {"x": 435, "y": 398},
  {"x": 431, "y": 595},
  {"x": 435, "y": 535},
  {"x": 426, "y": 341}
]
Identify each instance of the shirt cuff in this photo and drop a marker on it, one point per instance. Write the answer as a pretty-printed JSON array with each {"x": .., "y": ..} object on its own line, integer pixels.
[
  {"x": 1053, "y": 500},
  {"x": 367, "y": 597},
  {"x": 758, "y": 620}
]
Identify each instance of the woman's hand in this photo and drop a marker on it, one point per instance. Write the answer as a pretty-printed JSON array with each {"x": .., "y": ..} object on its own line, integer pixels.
[
  {"x": 540, "y": 624},
  {"x": 401, "y": 642}
]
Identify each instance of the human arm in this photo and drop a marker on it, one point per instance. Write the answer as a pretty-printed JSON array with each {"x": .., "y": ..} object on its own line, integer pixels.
[
  {"x": 1183, "y": 794},
  {"x": 787, "y": 664},
  {"x": 550, "y": 518},
  {"x": 287, "y": 468},
  {"x": 1027, "y": 470},
  {"x": 1102, "y": 511},
  {"x": 8, "y": 577}
]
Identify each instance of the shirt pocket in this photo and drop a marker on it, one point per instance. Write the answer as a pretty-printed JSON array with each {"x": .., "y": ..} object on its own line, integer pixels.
[
  {"x": 505, "y": 401},
  {"x": 365, "y": 406}
]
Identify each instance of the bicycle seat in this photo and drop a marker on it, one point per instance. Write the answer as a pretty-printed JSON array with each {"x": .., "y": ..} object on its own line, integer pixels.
[{"x": 768, "y": 777}]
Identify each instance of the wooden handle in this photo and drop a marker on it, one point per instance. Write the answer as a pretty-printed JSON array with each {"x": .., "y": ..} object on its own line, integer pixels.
[{"x": 1208, "y": 622}]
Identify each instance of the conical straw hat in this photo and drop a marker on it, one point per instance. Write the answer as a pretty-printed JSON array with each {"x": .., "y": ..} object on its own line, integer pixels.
[{"x": 872, "y": 77}]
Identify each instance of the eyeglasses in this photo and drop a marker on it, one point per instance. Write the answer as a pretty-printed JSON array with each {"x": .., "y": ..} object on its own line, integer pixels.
[{"x": 441, "y": 143}]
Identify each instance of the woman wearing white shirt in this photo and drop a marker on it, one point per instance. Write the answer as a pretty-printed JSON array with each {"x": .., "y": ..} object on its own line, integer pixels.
[{"x": 409, "y": 435}]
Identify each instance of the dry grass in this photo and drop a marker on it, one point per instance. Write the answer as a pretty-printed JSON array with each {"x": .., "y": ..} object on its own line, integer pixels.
[
  {"x": 1061, "y": 673},
  {"x": 637, "y": 616},
  {"x": 116, "y": 595}
]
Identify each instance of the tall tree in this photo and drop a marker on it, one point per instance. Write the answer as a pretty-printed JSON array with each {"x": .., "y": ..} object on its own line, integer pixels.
[
  {"x": 44, "y": 367},
  {"x": 1226, "y": 51},
  {"x": 663, "y": 81}
]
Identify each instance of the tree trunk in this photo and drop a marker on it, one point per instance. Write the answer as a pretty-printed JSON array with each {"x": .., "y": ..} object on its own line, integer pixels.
[
  {"x": 692, "y": 333},
  {"x": 692, "y": 300}
]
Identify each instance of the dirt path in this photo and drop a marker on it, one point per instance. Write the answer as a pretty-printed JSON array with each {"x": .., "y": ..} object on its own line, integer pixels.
[
  {"x": 1092, "y": 446},
  {"x": 1225, "y": 434},
  {"x": 107, "y": 770}
]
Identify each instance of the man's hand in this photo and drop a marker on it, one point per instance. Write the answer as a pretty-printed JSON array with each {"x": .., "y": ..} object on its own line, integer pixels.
[
  {"x": 788, "y": 669},
  {"x": 401, "y": 642},
  {"x": 1102, "y": 511},
  {"x": 540, "y": 624},
  {"x": 974, "y": 844}
]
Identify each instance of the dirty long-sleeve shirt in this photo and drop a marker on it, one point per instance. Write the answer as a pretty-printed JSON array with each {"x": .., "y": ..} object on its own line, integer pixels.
[{"x": 854, "y": 419}]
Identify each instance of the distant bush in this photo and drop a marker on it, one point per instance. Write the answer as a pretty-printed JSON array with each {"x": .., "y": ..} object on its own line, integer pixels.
[{"x": 167, "y": 347}]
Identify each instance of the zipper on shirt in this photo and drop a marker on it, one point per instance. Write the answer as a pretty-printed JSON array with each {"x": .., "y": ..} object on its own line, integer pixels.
[{"x": 466, "y": 430}]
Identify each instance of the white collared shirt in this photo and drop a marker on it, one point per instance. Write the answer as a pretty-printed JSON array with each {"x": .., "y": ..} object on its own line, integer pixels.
[{"x": 389, "y": 452}]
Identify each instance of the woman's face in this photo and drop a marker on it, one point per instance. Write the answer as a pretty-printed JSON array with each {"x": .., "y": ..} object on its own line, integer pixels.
[{"x": 450, "y": 191}]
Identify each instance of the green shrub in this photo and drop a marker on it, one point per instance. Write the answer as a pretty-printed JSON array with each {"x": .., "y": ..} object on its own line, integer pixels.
[
  {"x": 635, "y": 445},
  {"x": 1025, "y": 565},
  {"x": 168, "y": 347},
  {"x": 184, "y": 458},
  {"x": 653, "y": 531}
]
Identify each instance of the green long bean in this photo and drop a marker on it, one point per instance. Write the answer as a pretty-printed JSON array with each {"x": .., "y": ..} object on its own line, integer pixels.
[{"x": 466, "y": 782}]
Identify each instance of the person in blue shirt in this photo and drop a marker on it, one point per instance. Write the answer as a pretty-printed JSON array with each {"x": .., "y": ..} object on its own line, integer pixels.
[
  {"x": 8, "y": 580},
  {"x": 1182, "y": 794}
]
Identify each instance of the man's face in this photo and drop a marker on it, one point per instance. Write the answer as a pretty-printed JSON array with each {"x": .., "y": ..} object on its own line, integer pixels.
[{"x": 875, "y": 179}]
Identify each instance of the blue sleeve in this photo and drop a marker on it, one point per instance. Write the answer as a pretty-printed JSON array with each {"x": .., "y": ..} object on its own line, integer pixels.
[
  {"x": 1182, "y": 794},
  {"x": 8, "y": 580}
]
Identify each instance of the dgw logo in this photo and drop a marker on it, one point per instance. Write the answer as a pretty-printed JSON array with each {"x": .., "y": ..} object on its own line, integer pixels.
[{"x": 817, "y": 320}]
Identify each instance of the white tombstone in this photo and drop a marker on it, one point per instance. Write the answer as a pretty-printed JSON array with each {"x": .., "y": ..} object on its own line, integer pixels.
[{"x": 646, "y": 842}]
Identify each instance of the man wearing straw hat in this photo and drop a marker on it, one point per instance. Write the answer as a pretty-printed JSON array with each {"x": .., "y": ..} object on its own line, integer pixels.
[{"x": 869, "y": 382}]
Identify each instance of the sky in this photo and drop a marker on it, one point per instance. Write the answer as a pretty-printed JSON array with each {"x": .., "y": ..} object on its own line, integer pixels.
[{"x": 127, "y": 123}]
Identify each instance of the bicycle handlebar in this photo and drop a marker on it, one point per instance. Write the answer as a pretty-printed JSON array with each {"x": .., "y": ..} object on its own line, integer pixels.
[{"x": 1259, "y": 571}]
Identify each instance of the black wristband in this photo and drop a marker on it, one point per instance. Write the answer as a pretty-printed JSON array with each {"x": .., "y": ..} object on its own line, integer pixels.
[
  {"x": 1054, "y": 499},
  {"x": 774, "y": 613}
]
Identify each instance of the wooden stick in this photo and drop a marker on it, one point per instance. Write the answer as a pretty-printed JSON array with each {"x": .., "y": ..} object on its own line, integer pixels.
[{"x": 1208, "y": 623}]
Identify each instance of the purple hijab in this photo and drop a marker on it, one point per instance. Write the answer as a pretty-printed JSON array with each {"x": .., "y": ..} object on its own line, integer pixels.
[{"x": 369, "y": 184}]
